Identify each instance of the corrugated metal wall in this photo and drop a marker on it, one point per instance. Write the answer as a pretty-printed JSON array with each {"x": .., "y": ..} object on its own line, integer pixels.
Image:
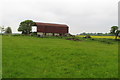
[{"x": 55, "y": 28}]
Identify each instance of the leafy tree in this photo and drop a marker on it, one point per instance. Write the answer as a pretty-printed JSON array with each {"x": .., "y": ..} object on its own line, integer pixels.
[
  {"x": 8, "y": 30},
  {"x": 114, "y": 30},
  {"x": 2, "y": 29},
  {"x": 26, "y": 26}
]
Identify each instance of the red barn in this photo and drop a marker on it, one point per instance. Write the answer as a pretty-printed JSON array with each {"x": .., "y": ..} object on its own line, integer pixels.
[{"x": 51, "y": 29}]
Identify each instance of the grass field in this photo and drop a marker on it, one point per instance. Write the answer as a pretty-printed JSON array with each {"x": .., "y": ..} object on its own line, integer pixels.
[
  {"x": 0, "y": 56},
  {"x": 32, "y": 57},
  {"x": 108, "y": 37}
]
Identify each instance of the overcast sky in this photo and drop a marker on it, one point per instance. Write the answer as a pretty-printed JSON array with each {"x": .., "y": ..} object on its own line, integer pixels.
[{"x": 79, "y": 15}]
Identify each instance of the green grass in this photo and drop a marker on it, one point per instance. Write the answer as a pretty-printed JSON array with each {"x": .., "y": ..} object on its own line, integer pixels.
[
  {"x": 0, "y": 56},
  {"x": 32, "y": 57}
]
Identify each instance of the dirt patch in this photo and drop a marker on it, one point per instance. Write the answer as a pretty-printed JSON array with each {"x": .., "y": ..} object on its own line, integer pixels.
[{"x": 73, "y": 39}]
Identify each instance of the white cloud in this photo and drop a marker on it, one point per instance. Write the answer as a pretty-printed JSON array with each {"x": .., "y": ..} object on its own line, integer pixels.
[{"x": 80, "y": 15}]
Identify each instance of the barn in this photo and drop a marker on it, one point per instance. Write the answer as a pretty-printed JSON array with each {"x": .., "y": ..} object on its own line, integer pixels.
[{"x": 50, "y": 29}]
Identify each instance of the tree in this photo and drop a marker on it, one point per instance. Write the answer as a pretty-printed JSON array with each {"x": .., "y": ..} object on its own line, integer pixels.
[
  {"x": 2, "y": 29},
  {"x": 8, "y": 30},
  {"x": 114, "y": 30},
  {"x": 26, "y": 26}
]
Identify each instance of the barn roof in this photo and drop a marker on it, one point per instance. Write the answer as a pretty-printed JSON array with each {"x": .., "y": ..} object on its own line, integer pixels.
[{"x": 50, "y": 24}]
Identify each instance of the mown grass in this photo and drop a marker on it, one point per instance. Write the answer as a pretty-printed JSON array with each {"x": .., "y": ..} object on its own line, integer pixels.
[{"x": 32, "y": 57}]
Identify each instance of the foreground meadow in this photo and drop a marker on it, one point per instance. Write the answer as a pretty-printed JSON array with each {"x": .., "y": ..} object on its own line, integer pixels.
[{"x": 32, "y": 57}]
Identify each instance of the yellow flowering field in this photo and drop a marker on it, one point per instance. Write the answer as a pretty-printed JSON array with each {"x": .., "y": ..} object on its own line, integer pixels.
[{"x": 110, "y": 37}]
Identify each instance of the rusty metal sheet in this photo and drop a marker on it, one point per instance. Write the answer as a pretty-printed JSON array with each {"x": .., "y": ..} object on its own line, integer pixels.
[{"x": 52, "y": 28}]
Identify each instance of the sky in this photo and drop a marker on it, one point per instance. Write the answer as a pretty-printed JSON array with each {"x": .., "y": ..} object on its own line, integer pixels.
[{"x": 80, "y": 15}]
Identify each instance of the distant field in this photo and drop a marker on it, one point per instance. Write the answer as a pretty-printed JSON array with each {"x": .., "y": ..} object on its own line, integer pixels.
[
  {"x": 110, "y": 37},
  {"x": 32, "y": 57}
]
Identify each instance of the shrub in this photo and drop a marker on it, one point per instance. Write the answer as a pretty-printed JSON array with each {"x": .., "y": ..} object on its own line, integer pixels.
[
  {"x": 87, "y": 36},
  {"x": 33, "y": 34}
]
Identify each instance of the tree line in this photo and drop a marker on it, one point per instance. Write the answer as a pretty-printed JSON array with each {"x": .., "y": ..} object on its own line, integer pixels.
[
  {"x": 7, "y": 30},
  {"x": 96, "y": 34},
  {"x": 114, "y": 31},
  {"x": 26, "y": 28}
]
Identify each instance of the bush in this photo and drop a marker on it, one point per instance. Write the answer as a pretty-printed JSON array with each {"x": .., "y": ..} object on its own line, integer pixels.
[
  {"x": 17, "y": 35},
  {"x": 87, "y": 36},
  {"x": 33, "y": 34}
]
